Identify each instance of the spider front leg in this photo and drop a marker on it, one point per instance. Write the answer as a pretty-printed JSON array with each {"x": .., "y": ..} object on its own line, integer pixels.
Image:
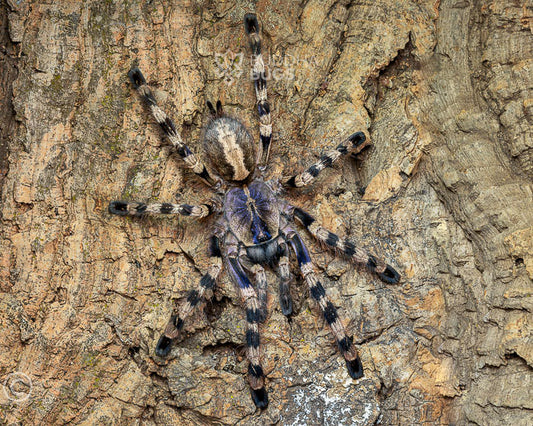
[
  {"x": 256, "y": 376},
  {"x": 356, "y": 254},
  {"x": 251, "y": 27},
  {"x": 194, "y": 297},
  {"x": 353, "y": 144},
  {"x": 168, "y": 127},
  {"x": 353, "y": 362}
]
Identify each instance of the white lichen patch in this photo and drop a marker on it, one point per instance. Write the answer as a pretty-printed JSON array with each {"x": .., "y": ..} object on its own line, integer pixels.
[{"x": 327, "y": 399}]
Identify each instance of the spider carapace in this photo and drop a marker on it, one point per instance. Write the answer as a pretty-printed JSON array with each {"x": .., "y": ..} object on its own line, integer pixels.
[{"x": 253, "y": 225}]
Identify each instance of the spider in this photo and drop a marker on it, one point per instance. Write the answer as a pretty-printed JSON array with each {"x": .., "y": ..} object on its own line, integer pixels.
[{"x": 254, "y": 226}]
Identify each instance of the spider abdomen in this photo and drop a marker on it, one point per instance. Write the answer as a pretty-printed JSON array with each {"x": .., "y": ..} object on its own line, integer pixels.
[
  {"x": 252, "y": 213},
  {"x": 230, "y": 148}
]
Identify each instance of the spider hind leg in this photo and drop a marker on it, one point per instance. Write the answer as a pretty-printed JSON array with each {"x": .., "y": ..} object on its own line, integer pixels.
[
  {"x": 384, "y": 271},
  {"x": 163, "y": 346},
  {"x": 260, "y": 397},
  {"x": 261, "y": 284},
  {"x": 329, "y": 311},
  {"x": 194, "y": 297},
  {"x": 256, "y": 376},
  {"x": 355, "y": 368},
  {"x": 285, "y": 300}
]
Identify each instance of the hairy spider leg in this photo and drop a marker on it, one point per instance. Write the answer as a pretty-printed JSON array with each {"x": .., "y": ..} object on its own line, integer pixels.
[
  {"x": 134, "y": 208},
  {"x": 256, "y": 376},
  {"x": 194, "y": 297},
  {"x": 356, "y": 254},
  {"x": 285, "y": 278},
  {"x": 353, "y": 144},
  {"x": 347, "y": 348},
  {"x": 260, "y": 279},
  {"x": 251, "y": 27},
  {"x": 168, "y": 127}
]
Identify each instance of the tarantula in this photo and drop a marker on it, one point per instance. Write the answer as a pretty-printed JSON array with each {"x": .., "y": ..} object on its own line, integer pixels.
[{"x": 254, "y": 226}]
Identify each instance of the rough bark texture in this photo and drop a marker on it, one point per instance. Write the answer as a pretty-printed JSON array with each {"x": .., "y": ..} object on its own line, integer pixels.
[{"x": 444, "y": 89}]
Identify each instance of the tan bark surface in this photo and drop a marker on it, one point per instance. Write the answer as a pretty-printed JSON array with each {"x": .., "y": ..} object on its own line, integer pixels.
[{"x": 444, "y": 89}]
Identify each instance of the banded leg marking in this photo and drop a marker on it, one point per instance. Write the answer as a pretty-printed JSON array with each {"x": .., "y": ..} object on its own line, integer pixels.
[
  {"x": 353, "y": 362},
  {"x": 285, "y": 299},
  {"x": 194, "y": 297},
  {"x": 258, "y": 67},
  {"x": 168, "y": 127},
  {"x": 354, "y": 144},
  {"x": 356, "y": 254},
  {"x": 261, "y": 283},
  {"x": 256, "y": 376},
  {"x": 134, "y": 208}
]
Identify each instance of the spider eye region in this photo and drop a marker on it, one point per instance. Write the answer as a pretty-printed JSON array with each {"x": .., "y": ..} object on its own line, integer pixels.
[{"x": 252, "y": 213}]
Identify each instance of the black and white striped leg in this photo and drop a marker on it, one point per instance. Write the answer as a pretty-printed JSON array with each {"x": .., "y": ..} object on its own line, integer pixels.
[
  {"x": 356, "y": 254},
  {"x": 259, "y": 76},
  {"x": 190, "y": 159},
  {"x": 285, "y": 299},
  {"x": 353, "y": 144},
  {"x": 256, "y": 376},
  {"x": 353, "y": 362},
  {"x": 194, "y": 297},
  {"x": 260, "y": 280},
  {"x": 134, "y": 208}
]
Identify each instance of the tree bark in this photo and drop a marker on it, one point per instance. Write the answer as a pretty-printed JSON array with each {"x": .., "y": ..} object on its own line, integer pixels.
[{"x": 444, "y": 91}]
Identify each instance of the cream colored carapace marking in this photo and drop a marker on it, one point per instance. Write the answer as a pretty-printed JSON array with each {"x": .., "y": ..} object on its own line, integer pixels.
[
  {"x": 249, "y": 200},
  {"x": 232, "y": 152}
]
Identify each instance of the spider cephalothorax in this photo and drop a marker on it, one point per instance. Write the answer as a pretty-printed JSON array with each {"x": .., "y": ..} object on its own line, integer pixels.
[{"x": 254, "y": 227}]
